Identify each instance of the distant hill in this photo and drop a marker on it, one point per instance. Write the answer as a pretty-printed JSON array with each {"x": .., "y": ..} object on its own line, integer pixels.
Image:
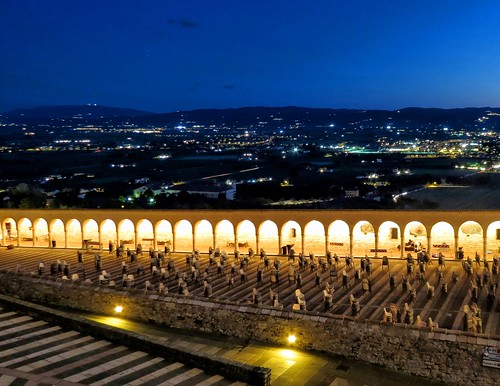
[
  {"x": 71, "y": 111},
  {"x": 270, "y": 117}
]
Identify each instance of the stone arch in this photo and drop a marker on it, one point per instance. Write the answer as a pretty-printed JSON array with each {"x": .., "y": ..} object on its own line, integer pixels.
[
  {"x": 164, "y": 234},
  {"x": 314, "y": 238},
  {"x": 338, "y": 238},
  {"x": 389, "y": 239},
  {"x": 25, "y": 233},
  {"x": 415, "y": 237},
  {"x": 363, "y": 239},
  {"x": 126, "y": 232},
  {"x": 90, "y": 231},
  {"x": 145, "y": 234},
  {"x": 291, "y": 236},
  {"x": 73, "y": 234},
  {"x": 470, "y": 238},
  {"x": 204, "y": 236},
  {"x": 268, "y": 237},
  {"x": 493, "y": 240},
  {"x": 224, "y": 235},
  {"x": 246, "y": 235},
  {"x": 9, "y": 232},
  {"x": 57, "y": 233},
  {"x": 41, "y": 232},
  {"x": 442, "y": 240},
  {"x": 108, "y": 231},
  {"x": 183, "y": 236}
]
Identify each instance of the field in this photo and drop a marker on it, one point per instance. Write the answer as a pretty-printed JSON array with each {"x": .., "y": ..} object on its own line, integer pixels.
[{"x": 483, "y": 197}]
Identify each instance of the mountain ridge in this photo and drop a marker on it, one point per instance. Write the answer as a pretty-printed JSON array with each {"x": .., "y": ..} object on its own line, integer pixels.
[{"x": 255, "y": 115}]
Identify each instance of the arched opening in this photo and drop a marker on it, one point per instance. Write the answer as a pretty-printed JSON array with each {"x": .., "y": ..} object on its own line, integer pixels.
[
  {"x": 90, "y": 232},
  {"x": 73, "y": 234},
  {"x": 314, "y": 238},
  {"x": 493, "y": 240},
  {"x": 57, "y": 236},
  {"x": 442, "y": 240},
  {"x": 126, "y": 232},
  {"x": 183, "y": 236},
  {"x": 246, "y": 235},
  {"x": 9, "y": 232},
  {"x": 41, "y": 232},
  {"x": 363, "y": 239},
  {"x": 470, "y": 238},
  {"x": 204, "y": 237},
  {"x": 164, "y": 235},
  {"x": 268, "y": 237},
  {"x": 224, "y": 235},
  {"x": 338, "y": 238},
  {"x": 291, "y": 236},
  {"x": 415, "y": 237},
  {"x": 26, "y": 233},
  {"x": 108, "y": 232},
  {"x": 145, "y": 234},
  {"x": 389, "y": 239}
]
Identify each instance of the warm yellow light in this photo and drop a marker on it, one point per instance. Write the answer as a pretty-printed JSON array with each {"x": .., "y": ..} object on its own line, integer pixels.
[
  {"x": 118, "y": 309},
  {"x": 292, "y": 338},
  {"x": 287, "y": 354}
]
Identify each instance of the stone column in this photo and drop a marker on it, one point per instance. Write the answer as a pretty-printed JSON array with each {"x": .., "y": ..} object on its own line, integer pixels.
[
  {"x": 65, "y": 238},
  {"x": 118, "y": 241},
  {"x": 402, "y": 245},
  {"x": 350, "y": 243},
  {"x": 194, "y": 240},
  {"x": 429, "y": 249},
  {"x": 256, "y": 242},
  {"x": 455, "y": 247},
  {"x": 485, "y": 246},
  {"x": 279, "y": 244},
  {"x": 136, "y": 238},
  {"x": 235, "y": 239},
  {"x": 326, "y": 243},
  {"x": 376, "y": 244}
]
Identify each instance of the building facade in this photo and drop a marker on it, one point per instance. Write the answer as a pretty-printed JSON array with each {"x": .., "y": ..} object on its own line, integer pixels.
[{"x": 372, "y": 233}]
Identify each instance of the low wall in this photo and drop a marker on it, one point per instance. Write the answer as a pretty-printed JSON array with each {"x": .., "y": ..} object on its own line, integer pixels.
[{"x": 453, "y": 357}]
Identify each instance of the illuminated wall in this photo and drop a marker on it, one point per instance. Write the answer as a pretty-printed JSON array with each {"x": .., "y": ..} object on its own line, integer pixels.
[{"x": 371, "y": 233}]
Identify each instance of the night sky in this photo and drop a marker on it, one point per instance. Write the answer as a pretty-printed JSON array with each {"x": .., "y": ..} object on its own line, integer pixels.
[{"x": 165, "y": 55}]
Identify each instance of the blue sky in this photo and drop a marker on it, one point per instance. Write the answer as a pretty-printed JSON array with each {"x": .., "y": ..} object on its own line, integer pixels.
[{"x": 163, "y": 55}]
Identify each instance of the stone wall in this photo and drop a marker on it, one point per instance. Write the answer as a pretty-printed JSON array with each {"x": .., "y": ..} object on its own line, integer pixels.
[{"x": 453, "y": 357}]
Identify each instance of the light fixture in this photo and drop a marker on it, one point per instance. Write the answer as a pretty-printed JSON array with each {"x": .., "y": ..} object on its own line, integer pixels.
[
  {"x": 118, "y": 309},
  {"x": 291, "y": 339}
]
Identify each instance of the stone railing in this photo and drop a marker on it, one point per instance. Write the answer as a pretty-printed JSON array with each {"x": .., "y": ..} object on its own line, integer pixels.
[{"x": 453, "y": 357}]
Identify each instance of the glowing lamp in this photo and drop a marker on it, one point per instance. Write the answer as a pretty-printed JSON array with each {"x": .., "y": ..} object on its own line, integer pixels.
[
  {"x": 292, "y": 338},
  {"x": 118, "y": 309}
]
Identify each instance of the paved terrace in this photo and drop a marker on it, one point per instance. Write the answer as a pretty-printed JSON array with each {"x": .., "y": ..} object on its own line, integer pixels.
[{"x": 444, "y": 309}]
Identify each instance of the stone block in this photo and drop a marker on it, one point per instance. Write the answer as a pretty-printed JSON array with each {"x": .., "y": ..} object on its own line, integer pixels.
[
  {"x": 482, "y": 341},
  {"x": 471, "y": 340}
]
